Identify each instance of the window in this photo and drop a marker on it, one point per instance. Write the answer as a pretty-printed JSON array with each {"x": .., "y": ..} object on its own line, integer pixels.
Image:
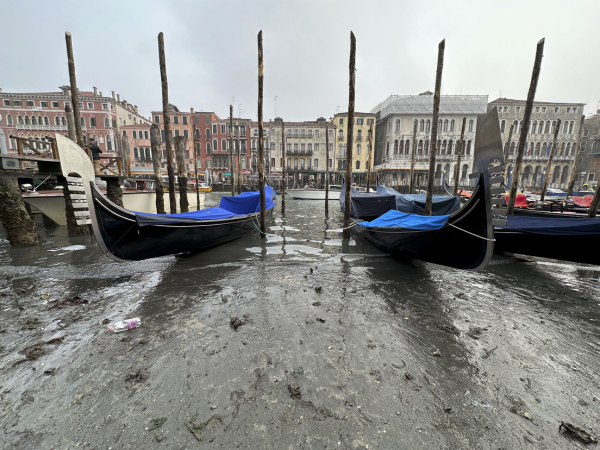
[
  {"x": 214, "y": 128},
  {"x": 185, "y": 133},
  {"x": 452, "y": 125},
  {"x": 360, "y": 121},
  {"x": 574, "y": 110},
  {"x": 90, "y": 106},
  {"x": 207, "y": 133},
  {"x": 30, "y": 103},
  {"x": 185, "y": 120},
  {"x": 428, "y": 126},
  {"x": 135, "y": 153},
  {"x": 547, "y": 127},
  {"x": 176, "y": 120},
  {"x": 156, "y": 119},
  {"x": 9, "y": 120},
  {"x": 46, "y": 120},
  {"x": 316, "y": 134},
  {"x": 359, "y": 135},
  {"x": 242, "y": 130},
  {"x": 80, "y": 105},
  {"x": 216, "y": 145},
  {"x": 162, "y": 135},
  {"x": 289, "y": 147},
  {"x": 16, "y": 102},
  {"x": 222, "y": 129},
  {"x": 502, "y": 126},
  {"x": 518, "y": 109},
  {"x": 341, "y": 121},
  {"x": 6, "y": 102},
  {"x": 537, "y": 109},
  {"x": 108, "y": 143},
  {"x": 397, "y": 126},
  {"x": 446, "y": 125},
  {"x": 295, "y": 147},
  {"x": 303, "y": 132},
  {"x": 176, "y": 133},
  {"x": 358, "y": 149},
  {"x": 223, "y": 144},
  {"x": 20, "y": 120},
  {"x": 422, "y": 125},
  {"x": 533, "y": 127},
  {"x": 33, "y": 120},
  {"x": 134, "y": 134},
  {"x": 341, "y": 134},
  {"x": 309, "y": 148},
  {"x": 316, "y": 147},
  {"x": 316, "y": 162},
  {"x": 357, "y": 165},
  {"x": 543, "y": 109},
  {"x": 27, "y": 120},
  {"x": 369, "y": 121},
  {"x": 64, "y": 121},
  {"x": 571, "y": 127},
  {"x": 515, "y": 126},
  {"x": 295, "y": 133},
  {"x": 44, "y": 104},
  {"x": 92, "y": 122},
  {"x": 439, "y": 125},
  {"x": 553, "y": 126},
  {"x": 470, "y": 127},
  {"x": 330, "y": 133}
]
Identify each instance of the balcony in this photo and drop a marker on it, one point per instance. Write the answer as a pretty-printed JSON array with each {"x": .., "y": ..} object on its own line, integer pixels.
[
  {"x": 23, "y": 126},
  {"x": 298, "y": 152}
]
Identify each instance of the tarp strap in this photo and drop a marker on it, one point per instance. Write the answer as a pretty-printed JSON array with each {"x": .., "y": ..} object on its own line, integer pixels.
[{"x": 472, "y": 234}]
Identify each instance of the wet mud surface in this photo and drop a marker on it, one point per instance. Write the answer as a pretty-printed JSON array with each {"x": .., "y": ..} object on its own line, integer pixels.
[{"x": 299, "y": 341}]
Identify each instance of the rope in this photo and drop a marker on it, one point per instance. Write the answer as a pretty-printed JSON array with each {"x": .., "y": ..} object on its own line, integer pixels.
[
  {"x": 255, "y": 226},
  {"x": 472, "y": 234}
]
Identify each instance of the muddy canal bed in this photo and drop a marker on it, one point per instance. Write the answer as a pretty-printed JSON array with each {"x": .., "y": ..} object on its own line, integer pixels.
[{"x": 299, "y": 341}]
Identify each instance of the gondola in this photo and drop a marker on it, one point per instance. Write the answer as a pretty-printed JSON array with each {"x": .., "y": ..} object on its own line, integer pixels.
[
  {"x": 126, "y": 235},
  {"x": 463, "y": 239}
]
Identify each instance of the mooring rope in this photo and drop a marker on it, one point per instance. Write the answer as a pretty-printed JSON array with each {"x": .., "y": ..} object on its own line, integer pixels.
[{"x": 472, "y": 234}]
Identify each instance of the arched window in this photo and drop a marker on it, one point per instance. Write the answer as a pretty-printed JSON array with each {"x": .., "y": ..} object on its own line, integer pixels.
[
  {"x": 465, "y": 169},
  {"x": 547, "y": 127},
  {"x": 135, "y": 153},
  {"x": 106, "y": 123},
  {"x": 207, "y": 133},
  {"x": 64, "y": 121},
  {"x": 358, "y": 150},
  {"x": 512, "y": 148},
  {"x": 27, "y": 122},
  {"x": 516, "y": 126},
  {"x": 568, "y": 151},
  {"x": 396, "y": 147},
  {"x": 420, "y": 147},
  {"x": 538, "y": 147},
  {"x": 387, "y": 149},
  {"x": 573, "y": 148},
  {"x": 452, "y": 125},
  {"x": 571, "y": 127},
  {"x": 197, "y": 134},
  {"x": 468, "y": 148},
  {"x": 148, "y": 155},
  {"x": 40, "y": 120},
  {"x": 446, "y": 125},
  {"x": 357, "y": 165},
  {"x": 216, "y": 145},
  {"x": 9, "y": 119},
  {"x": 146, "y": 134},
  {"x": 223, "y": 144},
  {"x": 545, "y": 148},
  {"x": 471, "y": 125},
  {"x": 33, "y": 120},
  {"x": 503, "y": 126},
  {"x": 422, "y": 125},
  {"x": 444, "y": 145},
  {"x": 553, "y": 126},
  {"x": 398, "y": 126},
  {"x": 46, "y": 120},
  {"x": 359, "y": 135},
  {"x": 56, "y": 120},
  {"x": 83, "y": 122},
  {"x": 566, "y": 127},
  {"x": 341, "y": 134},
  {"x": 534, "y": 125},
  {"x": 439, "y": 125},
  {"x": 134, "y": 134},
  {"x": 428, "y": 126},
  {"x": 208, "y": 150},
  {"x": 108, "y": 143},
  {"x": 20, "y": 120},
  {"x": 426, "y": 147},
  {"x": 449, "y": 147},
  {"x": 407, "y": 147}
]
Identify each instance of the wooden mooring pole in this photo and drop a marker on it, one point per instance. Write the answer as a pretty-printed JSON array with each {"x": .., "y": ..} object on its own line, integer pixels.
[
  {"x": 370, "y": 156},
  {"x": 74, "y": 90},
  {"x": 167, "y": 123},
  {"x": 20, "y": 229},
  {"x": 351, "y": 95},
  {"x": 180, "y": 143},
  {"x": 126, "y": 156},
  {"x": 549, "y": 163},
  {"x": 239, "y": 167},
  {"x": 261, "y": 162},
  {"x": 575, "y": 168},
  {"x": 283, "y": 150},
  {"x": 507, "y": 154},
  {"x": 434, "y": 128},
  {"x": 525, "y": 127},
  {"x": 193, "y": 119},
  {"x": 231, "y": 144},
  {"x": 157, "y": 165},
  {"x": 461, "y": 146},
  {"x": 326, "y": 170},
  {"x": 70, "y": 123},
  {"x": 411, "y": 183}
]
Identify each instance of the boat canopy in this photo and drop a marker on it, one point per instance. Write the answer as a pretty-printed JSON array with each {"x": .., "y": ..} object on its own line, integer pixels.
[
  {"x": 399, "y": 219},
  {"x": 520, "y": 200},
  {"x": 573, "y": 226},
  {"x": 415, "y": 203},
  {"x": 240, "y": 205}
]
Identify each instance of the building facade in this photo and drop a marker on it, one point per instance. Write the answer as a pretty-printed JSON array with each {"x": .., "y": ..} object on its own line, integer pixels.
[
  {"x": 40, "y": 115},
  {"x": 544, "y": 120},
  {"x": 395, "y": 121},
  {"x": 361, "y": 148},
  {"x": 589, "y": 161}
]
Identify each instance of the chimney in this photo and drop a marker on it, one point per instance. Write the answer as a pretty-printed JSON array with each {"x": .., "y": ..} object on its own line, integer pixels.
[
  {"x": 100, "y": 93},
  {"x": 135, "y": 108},
  {"x": 125, "y": 103},
  {"x": 191, "y": 109},
  {"x": 113, "y": 94},
  {"x": 0, "y": 90},
  {"x": 95, "y": 91},
  {"x": 119, "y": 98}
]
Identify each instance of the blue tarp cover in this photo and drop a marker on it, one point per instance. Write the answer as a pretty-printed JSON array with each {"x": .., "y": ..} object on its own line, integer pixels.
[
  {"x": 399, "y": 219},
  {"x": 415, "y": 203},
  {"x": 553, "y": 227},
  {"x": 240, "y": 205}
]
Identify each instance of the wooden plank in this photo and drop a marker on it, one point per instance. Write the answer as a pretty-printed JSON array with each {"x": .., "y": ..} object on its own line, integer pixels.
[
  {"x": 499, "y": 222},
  {"x": 84, "y": 221},
  {"x": 496, "y": 191},
  {"x": 496, "y": 180},
  {"x": 82, "y": 213},
  {"x": 499, "y": 211},
  {"x": 74, "y": 179},
  {"x": 473, "y": 175},
  {"x": 78, "y": 197},
  {"x": 29, "y": 158},
  {"x": 498, "y": 201}
]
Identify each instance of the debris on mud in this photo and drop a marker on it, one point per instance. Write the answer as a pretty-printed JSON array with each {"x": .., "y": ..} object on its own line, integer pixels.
[
  {"x": 294, "y": 390},
  {"x": 514, "y": 410},
  {"x": 316, "y": 304},
  {"x": 377, "y": 374},
  {"x": 236, "y": 322},
  {"x": 199, "y": 428},
  {"x": 408, "y": 376},
  {"x": 318, "y": 289},
  {"x": 136, "y": 377},
  {"x": 156, "y": 423},
  {"x": 320, "y": 319},
  {"x": 68, "y": 302},
  {"x": 475, "y": 332},
  {"x": 459, "y": 295},
  {"x": 488, "y": 353},
  {"x": 577, "y": 432},
  {"x": 50, "y": 371},
  {"x": 437, "y": 353},
  {"x": 447, "y": 328},
  {"x": 31, "y": 324},
  {"x": 33, "y": 352}
]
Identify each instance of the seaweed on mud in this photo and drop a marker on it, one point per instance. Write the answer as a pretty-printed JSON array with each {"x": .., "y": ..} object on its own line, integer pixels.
[
  {"x": 198, "y": 428},
  {"x": 31, "y": 324}
]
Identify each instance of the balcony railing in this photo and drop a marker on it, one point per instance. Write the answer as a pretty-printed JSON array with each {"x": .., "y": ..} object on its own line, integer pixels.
[{"x": 22, "y": 126}]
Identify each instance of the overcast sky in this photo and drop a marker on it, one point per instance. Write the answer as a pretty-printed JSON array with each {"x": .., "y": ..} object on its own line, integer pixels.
[{"x": 211, "y": 51}]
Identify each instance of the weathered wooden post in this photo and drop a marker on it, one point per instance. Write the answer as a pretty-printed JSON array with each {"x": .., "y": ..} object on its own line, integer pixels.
[
  {"x": 180, "y": 143},
  {"x": 575, "y": 160},
  {"x": 507, "y": 154},
  {"x": 411, "y": 183},
  {"x": 461, "y": 146},
  {"x": 594, "y": 206},
  {"x": 261, "y": 162},
  {"x": 525, "y": 128},
  {"x": 351, "y": 94},
  {"x": 283, "y": 150},
  {"x": 126, "y": 156},
  {"x": 70, "y": 123},
  {"x": 434, "y": 128},
  {"x": 239, "y": 170},
  {"x": 193, "y": 119},
  {"x": 74, "y": 91},
  {"x": 20, "y": 229},
  {"x": 549, "y": 163},
  {"x": 326, "y": 170},
  {"x": 370, "y": 156},
  {"x": 167, "y": 122},
  {"x": 231, "y": 146},
  {"x": 157, "y": 165}
]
